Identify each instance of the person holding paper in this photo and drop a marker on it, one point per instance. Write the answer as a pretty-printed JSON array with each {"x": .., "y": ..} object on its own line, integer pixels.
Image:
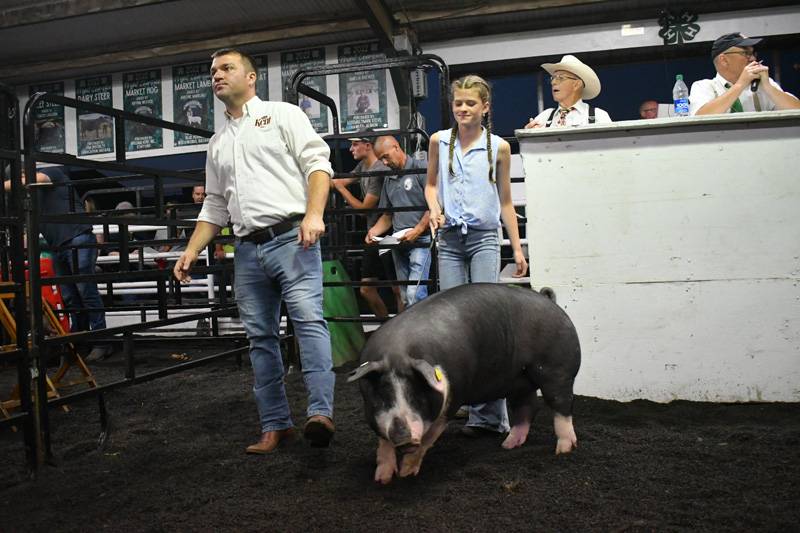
[{"x": 404, "y": 190}]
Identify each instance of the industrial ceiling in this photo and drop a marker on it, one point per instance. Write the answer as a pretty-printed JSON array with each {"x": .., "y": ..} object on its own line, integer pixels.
[{"x": 48, "y": 39}]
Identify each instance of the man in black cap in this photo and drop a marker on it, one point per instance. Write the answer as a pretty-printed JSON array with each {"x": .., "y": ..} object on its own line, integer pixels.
[{"x": 742, "y": 83}]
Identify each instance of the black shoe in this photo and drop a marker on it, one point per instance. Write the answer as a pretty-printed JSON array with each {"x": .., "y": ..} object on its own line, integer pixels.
[{"x": 98, "y": 353}]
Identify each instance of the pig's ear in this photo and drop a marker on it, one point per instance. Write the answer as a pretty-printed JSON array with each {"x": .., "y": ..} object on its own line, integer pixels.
[
  {"x": 365, "y": 369},
  {"x": 434, "y": 375}
]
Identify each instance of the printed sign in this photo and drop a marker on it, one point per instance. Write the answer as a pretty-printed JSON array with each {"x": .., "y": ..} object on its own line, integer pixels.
[
  {"x": 95, "y": 130},
  {"x": 304, "y": 59},
  {"x": 141, "y": 94},
  {"x": 192, "y": 101},
  {"x": 49, "y": 120},
  {"x": 362, "y": 95},
  {"x": 262, "y": 79}
]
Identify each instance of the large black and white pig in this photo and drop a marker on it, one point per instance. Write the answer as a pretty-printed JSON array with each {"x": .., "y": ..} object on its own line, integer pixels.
[{"x": 468, "y": 345}]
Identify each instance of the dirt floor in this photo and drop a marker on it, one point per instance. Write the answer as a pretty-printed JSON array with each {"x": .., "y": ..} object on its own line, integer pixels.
[{"x": 175, "y": 462}]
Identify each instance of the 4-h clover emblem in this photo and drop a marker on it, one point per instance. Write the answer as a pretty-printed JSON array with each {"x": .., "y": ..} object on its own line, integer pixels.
[{"x": 678, "y": 29}]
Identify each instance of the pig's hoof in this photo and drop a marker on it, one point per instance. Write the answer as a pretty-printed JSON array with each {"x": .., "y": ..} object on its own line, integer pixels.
[
  {"x": 565, "y": 446},
  {"x": 383, "y": 475},
  {"x": 517, "y": 436},
  {"x": 410, "y": 467},
  {"x": 513, "y": 441}
]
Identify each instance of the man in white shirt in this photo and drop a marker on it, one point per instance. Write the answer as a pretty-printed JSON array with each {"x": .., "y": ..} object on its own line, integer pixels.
[
  {"x": 738, "y": 73},
  {"x": 571, "y": 82},
  {"x": 268, "y": 171}
]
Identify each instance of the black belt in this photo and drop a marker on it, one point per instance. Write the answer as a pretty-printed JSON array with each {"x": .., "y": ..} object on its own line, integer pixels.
[{"x": 263, "y": 235}]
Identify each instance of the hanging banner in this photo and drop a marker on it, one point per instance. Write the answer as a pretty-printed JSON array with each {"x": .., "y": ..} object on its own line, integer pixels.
[
  {"x": 192, "y": 101},
  {"x": 303, "y": 59},
  {"x": 262, "y": 79},
  {"x": 362, "y": 95},
  {"x": 48, "y": 119},
  {"x": 95, "y": 130},
  {"x": 141, "y": 94}
]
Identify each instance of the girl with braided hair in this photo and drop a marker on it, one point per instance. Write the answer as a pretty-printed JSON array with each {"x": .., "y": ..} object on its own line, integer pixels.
[{"x": 468, "y": 194}]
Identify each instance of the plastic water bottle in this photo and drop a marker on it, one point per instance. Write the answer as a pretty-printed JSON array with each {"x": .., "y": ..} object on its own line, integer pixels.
[{"x": 680, "y": 97}]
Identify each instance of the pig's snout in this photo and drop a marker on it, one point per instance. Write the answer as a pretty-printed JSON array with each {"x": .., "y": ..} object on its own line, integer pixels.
[{"x": 400, "y": 433}]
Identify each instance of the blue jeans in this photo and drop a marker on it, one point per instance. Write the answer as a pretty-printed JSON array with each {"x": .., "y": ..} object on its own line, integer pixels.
[
  {"x": 473, "y": 257},
  {"x": 412, "y": 264},
  {"x": 265, "y": 274},
  {"x": 83, "y": 294}
]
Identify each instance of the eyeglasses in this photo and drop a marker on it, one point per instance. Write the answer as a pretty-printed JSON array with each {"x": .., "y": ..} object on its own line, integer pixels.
[
  {"x": 558, "y": 78},
  {"x": 741, "y": 53}
]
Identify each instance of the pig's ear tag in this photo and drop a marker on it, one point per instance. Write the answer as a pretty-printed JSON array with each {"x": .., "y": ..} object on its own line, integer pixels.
[{"x": 438, "y": 373}]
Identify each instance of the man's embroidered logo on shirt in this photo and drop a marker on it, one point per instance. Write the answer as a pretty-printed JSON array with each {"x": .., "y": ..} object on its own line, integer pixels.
[{"x": 263, "y": 121}]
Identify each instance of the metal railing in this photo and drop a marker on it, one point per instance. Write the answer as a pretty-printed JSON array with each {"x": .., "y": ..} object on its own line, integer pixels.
[{"x": 28, "y": 200}]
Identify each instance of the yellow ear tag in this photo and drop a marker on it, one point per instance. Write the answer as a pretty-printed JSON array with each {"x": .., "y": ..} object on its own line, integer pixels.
[{"x": 438, "y": 373}]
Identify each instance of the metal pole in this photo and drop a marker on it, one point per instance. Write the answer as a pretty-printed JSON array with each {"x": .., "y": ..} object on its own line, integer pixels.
[{"x": 40, "y": 413}]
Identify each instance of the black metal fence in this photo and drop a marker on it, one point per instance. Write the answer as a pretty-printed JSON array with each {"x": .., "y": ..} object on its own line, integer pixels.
[
  {"x": 35, "y": 348},
  {"x": 15, "y": 320},
  {"x": 23, "y": 216}
]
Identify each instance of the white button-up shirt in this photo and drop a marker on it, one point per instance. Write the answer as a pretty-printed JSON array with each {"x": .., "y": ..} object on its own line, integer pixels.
[
  {"x": 577, "y": 117},
  {"x": 258, "y": 166},
  {"x": 703, "y": 91}
]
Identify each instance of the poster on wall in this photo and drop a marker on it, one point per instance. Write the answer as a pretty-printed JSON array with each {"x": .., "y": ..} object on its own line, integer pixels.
[
  {"x": 262, "y": 79},
  {"x": 95, "y": 130},
  {"x": 141, "y": 94},
  {"x": 48, "y": 119},
  {"x": 192, "y": 101},
  {"x": 362, "y": 95},
  {"x": 303, "y": 59}
]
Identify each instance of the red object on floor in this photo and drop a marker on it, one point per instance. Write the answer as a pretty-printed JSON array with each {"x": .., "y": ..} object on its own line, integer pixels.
[{"x": 51, "y": 293}]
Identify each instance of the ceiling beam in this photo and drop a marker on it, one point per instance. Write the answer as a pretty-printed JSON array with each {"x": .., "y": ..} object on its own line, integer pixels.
[
  {"x": 484, "y": 9},
  {"x": 117, "y": 59},
  {"x": 49, "y": 10},
  {"x": 382, "y": 22}
]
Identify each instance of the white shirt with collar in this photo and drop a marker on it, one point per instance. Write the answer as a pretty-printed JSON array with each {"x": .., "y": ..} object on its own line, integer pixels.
[
  {"x": 703, "y": 91},
  {"x": 257, "y": 166},
  {"x": 579, "y": 116}
]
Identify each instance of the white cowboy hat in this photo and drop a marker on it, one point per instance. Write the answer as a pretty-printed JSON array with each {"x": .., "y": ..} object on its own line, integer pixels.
[{"x": 591, "y": 83}]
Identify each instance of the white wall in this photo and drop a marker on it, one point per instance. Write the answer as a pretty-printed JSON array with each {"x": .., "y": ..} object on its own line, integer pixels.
[
  {"x": 611, "y": 36},
  {"x": 674, "y": 245}
]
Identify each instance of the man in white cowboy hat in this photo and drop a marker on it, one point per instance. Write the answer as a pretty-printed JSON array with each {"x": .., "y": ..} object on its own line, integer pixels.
[
  {"x": 738, "y": 74},
  {"x": 572, "y": 82}
]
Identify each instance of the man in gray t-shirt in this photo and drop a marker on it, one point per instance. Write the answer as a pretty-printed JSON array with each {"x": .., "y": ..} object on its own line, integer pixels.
[
  {"x": 405, "y": 190},
  {"x": 374, "y": 266}
]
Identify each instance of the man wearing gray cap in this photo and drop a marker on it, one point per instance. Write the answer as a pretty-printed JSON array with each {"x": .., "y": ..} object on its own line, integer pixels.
[{"x": 742, "y": 83}]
